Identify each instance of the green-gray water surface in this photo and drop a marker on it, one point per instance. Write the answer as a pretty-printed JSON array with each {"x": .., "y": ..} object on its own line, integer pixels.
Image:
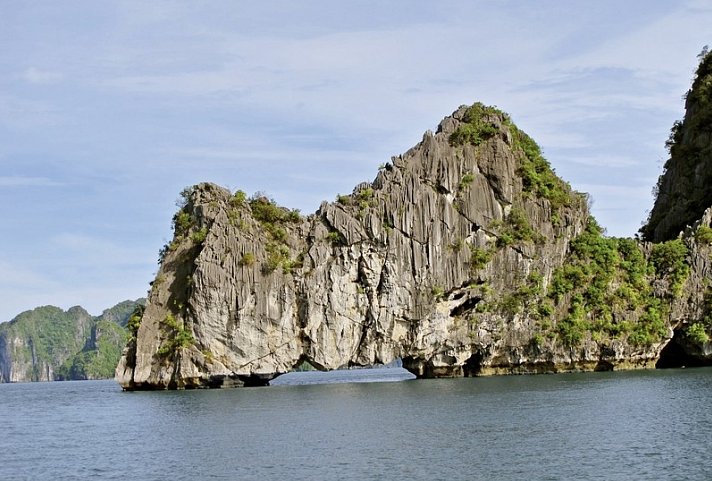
[{"x": 604, "y": 426}]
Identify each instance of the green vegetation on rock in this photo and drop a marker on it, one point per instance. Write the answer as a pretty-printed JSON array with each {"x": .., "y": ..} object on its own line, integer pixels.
[
  {"x": 134, "y": 321},
  {"x": 670, "y": 261},
  {"x": 48, "y": 343},
  {"x": 479, "y": 257},
  {"x": 182, "y": 222},
  {"x": 239, "y": 198},
  {"x": 178, "y": 336},
  {"x": 684, "y": 189},
  {"x": 703, "y": 235},
  {"x": 100, "y": 355},
  {"x": 336, "y": 238},
  {"x": 199, "y": 236},
  {"x": 524, "y": 299},
  {"x": 697, "y": 333},
  {"x": 266, "y": 211},
  {"x": 466, "y": 180},
  {"x": 248, "y": 259},
  {"x": 478, "y": 125},
  {"x": 275, "y": 221},
  {"x": 605, "y": 277},
  {"x": 516, "y": 229},
  {"x": 277, "y": 255},
  {"x": 537, "y": 175},
  {"x": 481, "y": 123}
]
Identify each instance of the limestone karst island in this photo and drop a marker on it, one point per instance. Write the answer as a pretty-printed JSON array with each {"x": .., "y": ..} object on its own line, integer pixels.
[{"x": 465, "y": 256}]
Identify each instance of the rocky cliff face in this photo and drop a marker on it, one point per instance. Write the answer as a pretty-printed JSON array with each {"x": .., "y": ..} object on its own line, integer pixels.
[
  {"x": 36, "y": 342},
  {"x": 692, "y": 308},
  {"x": 465, "y": 256},
  {"x": 682, "y": 211},
  {"x": 684, "y": 190},
  {"x": 47, "y": 343}
]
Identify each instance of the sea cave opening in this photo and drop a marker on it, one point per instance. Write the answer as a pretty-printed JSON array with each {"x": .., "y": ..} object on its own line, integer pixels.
[
  {"x": 678, "y": 353},
  {"x": 306, "y": 371}
]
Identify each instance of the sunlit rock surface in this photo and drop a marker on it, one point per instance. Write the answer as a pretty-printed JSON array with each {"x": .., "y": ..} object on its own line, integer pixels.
[{"x": 465, "y": 256}]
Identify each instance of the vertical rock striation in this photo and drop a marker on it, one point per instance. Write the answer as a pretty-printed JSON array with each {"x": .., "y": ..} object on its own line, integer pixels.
[
  {"x": 465, "y": 256},
  {"x": 684, "y": 190},
  {"x": 682, "y": 213}
]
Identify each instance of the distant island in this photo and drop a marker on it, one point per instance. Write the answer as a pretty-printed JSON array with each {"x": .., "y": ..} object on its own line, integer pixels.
[{"x": 49, "y": 344}]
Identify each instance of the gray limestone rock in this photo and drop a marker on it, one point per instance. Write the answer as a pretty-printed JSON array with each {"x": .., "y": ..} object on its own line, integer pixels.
[{"x": 446, "y": 261}]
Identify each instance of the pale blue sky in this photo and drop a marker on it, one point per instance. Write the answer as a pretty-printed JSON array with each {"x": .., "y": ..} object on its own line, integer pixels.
[{"x": 109, "y": 109}]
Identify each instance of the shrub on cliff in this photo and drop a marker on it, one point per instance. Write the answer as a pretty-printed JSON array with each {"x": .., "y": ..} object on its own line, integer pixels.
[
  {"x": 670, "y": 261},
  {"x": 477, "y": 125},
  {"x": 604, "y": 276},
  {"x": 703, "y": 235},
  {"x": 178, "y": 336},
  {"x": 537, "y": 175},
  {"x": 684, "y": 189}
]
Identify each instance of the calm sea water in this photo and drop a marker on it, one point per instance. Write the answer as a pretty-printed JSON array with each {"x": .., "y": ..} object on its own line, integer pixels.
[{"x": 652, "y": 425}]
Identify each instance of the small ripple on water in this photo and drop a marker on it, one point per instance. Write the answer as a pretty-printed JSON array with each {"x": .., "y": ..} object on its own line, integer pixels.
[{"x": 612, "y": 426}]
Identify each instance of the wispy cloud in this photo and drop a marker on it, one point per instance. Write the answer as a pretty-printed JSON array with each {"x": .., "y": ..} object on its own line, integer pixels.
[
  {"x": 611, "y": 194},
  {"x": 21, "y": 276},
  {"x": 23, "y": 181},
  {"x": 92, "y": 297},
  {"x": 92, "y": 250},
  {"x": 22, "y": 288},
  {"x": 26, "y": 113},
  {"x": 684, "y": 30},
  {"x": 74, "y": 269},
  {"x": 699, "y": 5},
  {"x": 38, "y": 76},
  {"x": 304, "y": 101},
  {"x": 604, "y": 161}
]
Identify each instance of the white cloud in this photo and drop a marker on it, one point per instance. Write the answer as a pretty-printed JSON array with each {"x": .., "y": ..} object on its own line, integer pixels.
[
  {"x": 663, "y": 48},
  {"x": 21, "y": 287},
  {"x": 37, "y": 76},
  {"x": 604, "y": 161},
  {"x": 26, "y": 114},
  {"x": 94, "y": 298},
  {"x": 156, "y": 97},
  {"x": 350, "y": 78},
  {"x": 612, "y": 194},
  {"x": 28, "y": 181},
  {"x": 95, "y": 282},
  {"x": 700, "y": 5},
  {"x": 14, "y": 274},
  {"x": 88, "y": 251}
]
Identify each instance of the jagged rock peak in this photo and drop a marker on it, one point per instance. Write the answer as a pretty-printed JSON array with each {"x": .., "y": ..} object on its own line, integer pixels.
[
  {"x": 466, "y": 255},
  {"x": 684, "y": 190}
]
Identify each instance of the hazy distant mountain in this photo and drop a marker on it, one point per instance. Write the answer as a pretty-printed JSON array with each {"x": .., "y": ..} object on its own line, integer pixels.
[{"x": 48, "y": 344}]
